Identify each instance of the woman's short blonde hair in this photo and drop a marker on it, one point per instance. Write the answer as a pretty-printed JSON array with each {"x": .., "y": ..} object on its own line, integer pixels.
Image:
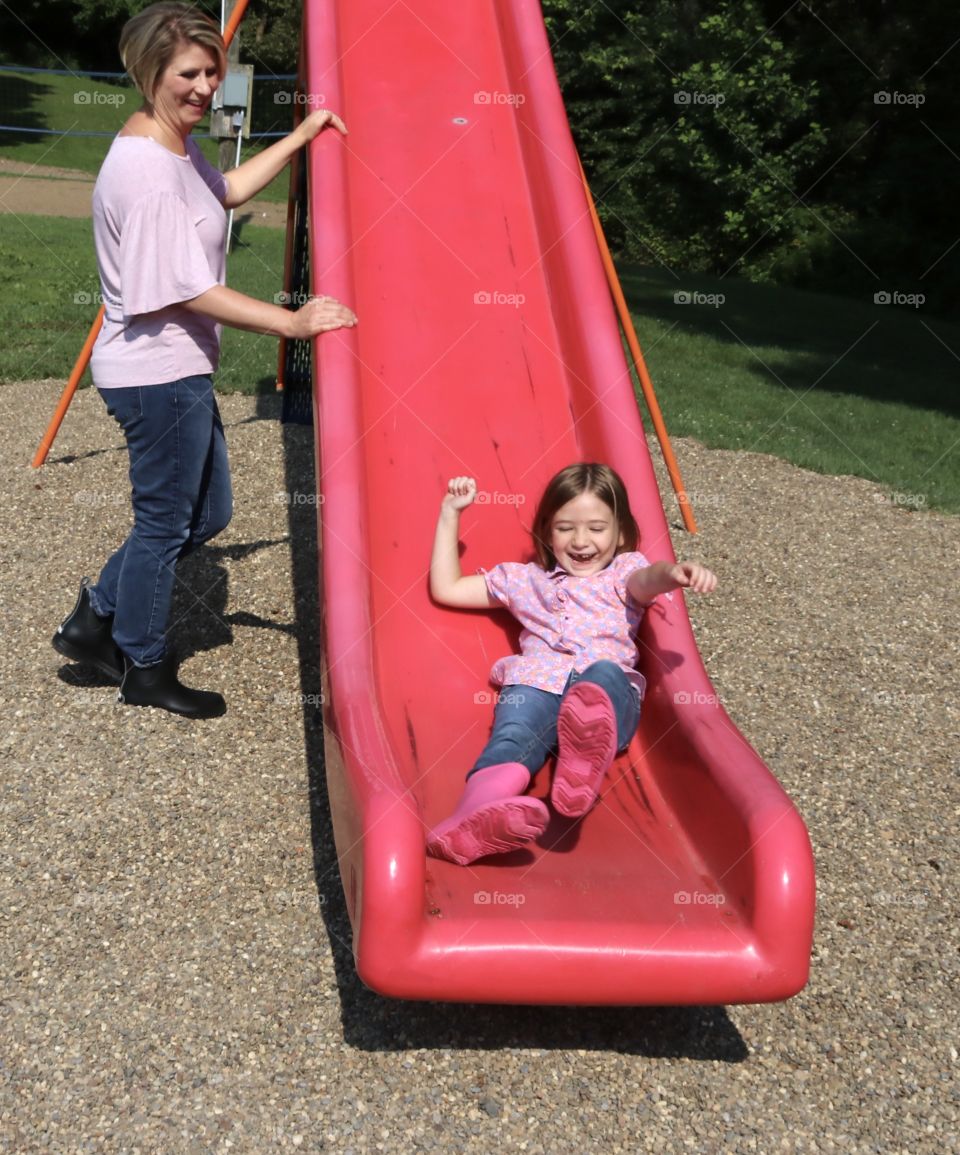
[{"x": 150, "y": 40}]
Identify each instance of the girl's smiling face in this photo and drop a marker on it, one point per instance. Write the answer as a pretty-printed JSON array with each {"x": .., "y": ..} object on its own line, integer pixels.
[
  {"x": 186, "y": 87},
  {"x": 584, "y": 535}
]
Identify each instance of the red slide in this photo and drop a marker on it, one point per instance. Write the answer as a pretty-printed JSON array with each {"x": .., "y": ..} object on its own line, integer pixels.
[{"x": 453, "y": 221}]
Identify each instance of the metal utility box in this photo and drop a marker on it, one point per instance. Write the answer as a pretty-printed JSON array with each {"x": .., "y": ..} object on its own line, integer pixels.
[{"x": 232, "y": 102}]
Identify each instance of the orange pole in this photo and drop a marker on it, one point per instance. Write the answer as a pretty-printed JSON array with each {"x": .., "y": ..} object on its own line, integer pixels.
[
  {"x": 84, "y": 359},
  {"x": 287, "y": 266},
  {"x": 626, "y": 322},
  {"x": 295, "y": 162},
  {"x": 234, "y": 22},
  {"x": 67, "y": 395}
]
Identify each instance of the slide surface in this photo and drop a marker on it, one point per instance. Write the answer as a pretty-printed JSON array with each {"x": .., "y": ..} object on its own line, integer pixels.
[{"x": 452, "y": 219}]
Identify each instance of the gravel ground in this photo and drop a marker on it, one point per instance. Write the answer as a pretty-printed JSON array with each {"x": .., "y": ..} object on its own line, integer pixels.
[{"x": 173, "y": 942}]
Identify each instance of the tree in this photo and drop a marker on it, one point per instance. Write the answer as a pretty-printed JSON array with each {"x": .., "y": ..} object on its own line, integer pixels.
[
  {"x": 693, "y": 127},
  {"x": 740, "y": 135},
  {"x": 83, "y": 34}
]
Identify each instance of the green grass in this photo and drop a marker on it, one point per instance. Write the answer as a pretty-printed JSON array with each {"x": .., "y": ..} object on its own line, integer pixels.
[
  {"x": 49, "y": 298},
  {"x": 33, "y": 100},
  {"x": 836, "y": 385}
]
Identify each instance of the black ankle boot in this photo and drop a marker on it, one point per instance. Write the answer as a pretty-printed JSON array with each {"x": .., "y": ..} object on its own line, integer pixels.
[
  {"x": 85, "y": 637},
  {"x": 159, "y": 686}
]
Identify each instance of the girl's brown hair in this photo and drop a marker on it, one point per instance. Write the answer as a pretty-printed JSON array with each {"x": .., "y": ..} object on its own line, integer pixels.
[
  {"x": 150, "y": 40},
  {"x": 584, "y": 477}
]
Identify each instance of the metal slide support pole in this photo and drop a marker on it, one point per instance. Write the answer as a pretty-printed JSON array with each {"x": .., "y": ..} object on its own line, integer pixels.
[{"x": 295, "y": 161}]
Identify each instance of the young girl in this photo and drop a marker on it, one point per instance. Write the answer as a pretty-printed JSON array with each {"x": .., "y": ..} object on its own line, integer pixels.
[{"x": 573, "y": 688}]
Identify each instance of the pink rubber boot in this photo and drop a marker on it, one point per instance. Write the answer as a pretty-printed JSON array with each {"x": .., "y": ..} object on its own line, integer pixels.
[
  {"x": 492, "y": 816},
  {"x": 587, "y": 745}
]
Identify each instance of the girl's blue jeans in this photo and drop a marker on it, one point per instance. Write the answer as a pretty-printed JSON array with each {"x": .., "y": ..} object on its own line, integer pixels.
[
  {"x": 180, "y": 481},
  {"x": 525, "y": 720}
]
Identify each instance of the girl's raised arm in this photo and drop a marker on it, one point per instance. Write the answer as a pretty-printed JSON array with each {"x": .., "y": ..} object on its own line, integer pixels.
[{"x": 447, "y": 584}]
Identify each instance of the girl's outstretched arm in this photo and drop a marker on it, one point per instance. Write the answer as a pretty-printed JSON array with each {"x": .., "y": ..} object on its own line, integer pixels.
[
  {"x": 644, "y": 584},
  {"x": 447, "y": 584}
]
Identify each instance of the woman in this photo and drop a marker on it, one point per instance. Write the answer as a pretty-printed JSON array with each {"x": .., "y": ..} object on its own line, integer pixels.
[{"x": 160, "y": 235}]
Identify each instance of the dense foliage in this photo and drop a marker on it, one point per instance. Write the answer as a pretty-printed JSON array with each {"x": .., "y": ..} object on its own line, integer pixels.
[
  {"x": 812, "y": 143},
  {"x": 83, "y": 34}
]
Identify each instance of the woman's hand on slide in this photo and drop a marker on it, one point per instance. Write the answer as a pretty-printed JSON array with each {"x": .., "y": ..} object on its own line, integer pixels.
[
  {"x": 321, "y": 315},
  {"x": 317, "y": 121}
]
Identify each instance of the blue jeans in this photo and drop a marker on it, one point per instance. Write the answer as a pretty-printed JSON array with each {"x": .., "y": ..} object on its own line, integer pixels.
[
  {"x": 525, "y": 720},
  {"x": 181, "y": 493}
]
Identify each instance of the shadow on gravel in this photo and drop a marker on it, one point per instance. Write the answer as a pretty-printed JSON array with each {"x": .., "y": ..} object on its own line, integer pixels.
[
  {"x": 70, "y": 458},
  {"x": 373, "y": 1023},
  {"x": 198, "y": 617},
  {"x": 84, "y": 677}
]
